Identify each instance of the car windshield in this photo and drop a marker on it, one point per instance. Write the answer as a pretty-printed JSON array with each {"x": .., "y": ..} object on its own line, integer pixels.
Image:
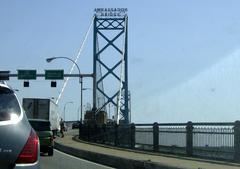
[
  {"x": 9, "y": 106},
  {"x": 41, "y": 125}
]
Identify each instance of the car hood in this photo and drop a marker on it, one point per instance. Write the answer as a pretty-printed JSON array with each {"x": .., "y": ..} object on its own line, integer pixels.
[{"x": 13, "y": 138}]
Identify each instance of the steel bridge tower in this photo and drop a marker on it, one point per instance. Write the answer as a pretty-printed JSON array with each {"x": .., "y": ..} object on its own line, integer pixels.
[{"x": 110, "y": 64}]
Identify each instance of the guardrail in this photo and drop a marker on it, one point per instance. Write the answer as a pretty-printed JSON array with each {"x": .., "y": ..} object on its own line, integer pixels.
[{"x": 206, "y": 140}]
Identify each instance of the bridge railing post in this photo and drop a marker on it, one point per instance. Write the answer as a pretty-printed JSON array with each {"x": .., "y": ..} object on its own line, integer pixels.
[
  {"x": 116, "y": 135},
  {"x": 132, "y": 135},
  {"x": 80, "y": 132},
  {"x": 189, "y": 139},
  {"x": 103, "y": 133},
  {"x": 237, "y": 141},
  {"x": 95, "y": 133},
  {"x": 88, "y": 132},
  {"x": 155, "y": 137}
]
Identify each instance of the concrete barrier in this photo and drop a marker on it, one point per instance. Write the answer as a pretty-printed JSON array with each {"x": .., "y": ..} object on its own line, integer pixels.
[{"x": 109, "y": 160}]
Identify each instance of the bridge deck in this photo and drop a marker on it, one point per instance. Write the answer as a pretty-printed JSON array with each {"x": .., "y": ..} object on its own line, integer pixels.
[{"x": 115, "y": 157}]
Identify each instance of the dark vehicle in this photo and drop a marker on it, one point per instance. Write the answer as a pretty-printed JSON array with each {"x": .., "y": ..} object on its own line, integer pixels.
[
  {"x": 43, "y": 129},
  {"x": 45, "y": 109},
  {"x": 75, "y": 125},
  {"x": 19, "y": 144}
]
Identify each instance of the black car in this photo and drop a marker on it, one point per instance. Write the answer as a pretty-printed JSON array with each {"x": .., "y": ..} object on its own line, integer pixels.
[
  {"x": 43, "y": 130},
  {"x": 75, "y": 125}
]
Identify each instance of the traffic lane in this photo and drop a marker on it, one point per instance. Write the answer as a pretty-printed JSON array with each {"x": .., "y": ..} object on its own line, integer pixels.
[
  {"x": 72, "y": 132},
  {"x": 69, "y": 132},
  {"x": 64, "y": 161}
]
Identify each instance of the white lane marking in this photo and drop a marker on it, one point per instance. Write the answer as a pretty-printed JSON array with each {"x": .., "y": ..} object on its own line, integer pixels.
[{"x": 99, "y": 165}]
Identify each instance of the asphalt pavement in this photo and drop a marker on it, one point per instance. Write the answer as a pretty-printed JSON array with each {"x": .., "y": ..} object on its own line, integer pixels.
[{"x": 64, "y": 161}]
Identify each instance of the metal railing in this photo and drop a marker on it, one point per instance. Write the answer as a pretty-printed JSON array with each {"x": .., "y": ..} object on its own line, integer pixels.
[{"x": 205, "y": 140}]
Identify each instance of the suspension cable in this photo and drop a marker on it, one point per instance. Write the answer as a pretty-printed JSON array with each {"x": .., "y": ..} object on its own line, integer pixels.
[
  {"x": 77, "y": 57},
  {"x": 121, "y": 76}
]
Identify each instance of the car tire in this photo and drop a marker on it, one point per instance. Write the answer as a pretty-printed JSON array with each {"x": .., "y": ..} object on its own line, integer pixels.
[{"x": 50, "y": 151}]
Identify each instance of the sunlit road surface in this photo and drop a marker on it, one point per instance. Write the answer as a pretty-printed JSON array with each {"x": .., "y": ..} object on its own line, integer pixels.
[
  {"x": 72, "y": 132},
  {"x": 61, "y": 160},
  {"x": 64, "y": 161}
]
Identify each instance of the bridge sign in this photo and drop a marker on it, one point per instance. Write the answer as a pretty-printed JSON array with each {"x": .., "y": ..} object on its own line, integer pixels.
[
  {"x": 54, "y": 74},
  {"x": 27, "y": 74}
]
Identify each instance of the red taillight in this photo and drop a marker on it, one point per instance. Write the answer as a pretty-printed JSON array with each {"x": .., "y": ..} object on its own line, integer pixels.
[{"x": 29, "y": 153}]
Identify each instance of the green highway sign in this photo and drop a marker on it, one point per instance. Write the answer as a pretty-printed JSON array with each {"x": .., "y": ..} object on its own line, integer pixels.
[
  {"x": 27, "y": 74},
  {"x": 54, "y": 74}
]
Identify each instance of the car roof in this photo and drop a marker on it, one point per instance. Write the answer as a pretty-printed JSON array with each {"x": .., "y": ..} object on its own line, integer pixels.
[{"x": 4, "y": 85}]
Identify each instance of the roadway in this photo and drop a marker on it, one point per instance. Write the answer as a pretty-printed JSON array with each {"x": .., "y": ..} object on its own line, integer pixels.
[
  {"x": 120, "y": 158},
  {"x": 60, "y": 160},
  {"x": 125, "y": 158},
  {"x": 64, "y": 161}
]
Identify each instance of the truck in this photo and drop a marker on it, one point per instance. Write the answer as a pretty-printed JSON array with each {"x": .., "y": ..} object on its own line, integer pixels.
[{"x": 43, "y": 109}]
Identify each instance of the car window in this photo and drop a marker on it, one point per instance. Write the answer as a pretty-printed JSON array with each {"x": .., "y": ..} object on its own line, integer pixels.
[
  {"x": 40, "y": 125},
  {"x": 9, "y": 106}
]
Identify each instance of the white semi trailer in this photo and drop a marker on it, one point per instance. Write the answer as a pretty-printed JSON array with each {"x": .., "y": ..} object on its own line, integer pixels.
[{"x": 46, "y": 109}]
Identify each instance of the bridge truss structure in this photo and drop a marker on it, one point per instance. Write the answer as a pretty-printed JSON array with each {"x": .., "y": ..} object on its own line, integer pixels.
[{"x": 110, "y": 66}]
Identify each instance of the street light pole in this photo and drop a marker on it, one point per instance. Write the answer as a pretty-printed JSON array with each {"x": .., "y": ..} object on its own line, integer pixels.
[
  {"x": 82, "y": 89},
  {"x": 64, "y": 110},
  {"x": 53, "y": 58},
  {"x": 78, "y": 113},
  {"x": 81, "y": 101},
  {"x": 80, "y": 77}
]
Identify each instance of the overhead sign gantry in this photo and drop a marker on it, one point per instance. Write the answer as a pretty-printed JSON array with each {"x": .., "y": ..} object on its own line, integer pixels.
[{"x": 27, "y": 74}]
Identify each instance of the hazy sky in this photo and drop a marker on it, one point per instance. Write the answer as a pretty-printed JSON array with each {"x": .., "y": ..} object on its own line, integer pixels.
[{"x": 183, "y": 55}]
